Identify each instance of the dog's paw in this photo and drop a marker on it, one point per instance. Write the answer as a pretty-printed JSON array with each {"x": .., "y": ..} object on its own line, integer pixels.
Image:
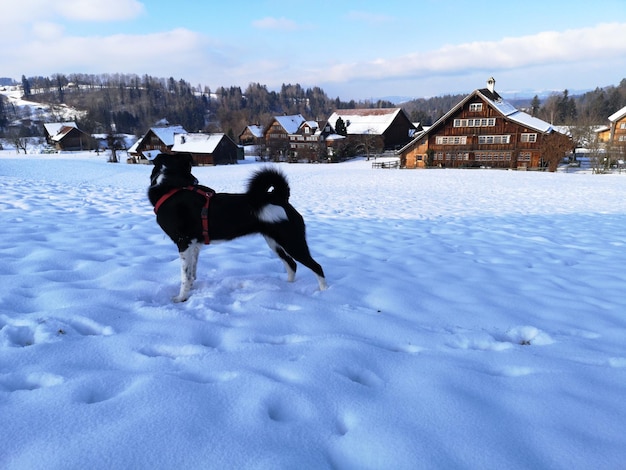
[{"x": 180, "y": 298}]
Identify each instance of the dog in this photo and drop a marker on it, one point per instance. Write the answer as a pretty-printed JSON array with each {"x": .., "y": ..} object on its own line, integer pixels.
[{"x": 192, "y": 215}]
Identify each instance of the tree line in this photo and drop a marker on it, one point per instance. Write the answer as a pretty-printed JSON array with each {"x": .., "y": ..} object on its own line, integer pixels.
[{"x": 131, "y": 104}]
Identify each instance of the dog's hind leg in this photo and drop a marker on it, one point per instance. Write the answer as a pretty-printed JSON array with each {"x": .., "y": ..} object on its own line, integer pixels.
[
  {"x": 188, "y": 266},
  {"x": 300, "y": 251},
  {"x": 297, "y": 248},
  {"x": 290, "y": 264}
]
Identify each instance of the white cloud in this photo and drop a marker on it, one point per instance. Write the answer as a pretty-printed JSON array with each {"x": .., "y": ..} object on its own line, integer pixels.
[
  {"x": 99, "y": 10},
  {"x": 27, "y": 11},
  {"x": 168, "y": 53},
  {"x": 280, "y": 24},
  {"x": 599, "y": 42}
]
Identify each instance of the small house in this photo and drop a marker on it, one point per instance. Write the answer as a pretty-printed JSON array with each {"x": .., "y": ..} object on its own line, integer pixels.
[
  {"x": 67, "y": 136},
  {"x": 208, "y": 149},
  {"x": 159, "y": 139}
]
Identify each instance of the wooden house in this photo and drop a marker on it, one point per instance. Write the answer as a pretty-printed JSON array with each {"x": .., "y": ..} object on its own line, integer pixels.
[
  {"x": 617, "y": 128},
  {"x": 306, "y": 144},
  {"x": 276, "y": 135},
  {"x": 158, "y": 139},
  {"x": 375, "y": 129},
  {"x": 251, "y": 135},
  {"x": 483, "y": 130},
  {"x": 67, "y": 136},
  {"x": 207, "y": 149}
]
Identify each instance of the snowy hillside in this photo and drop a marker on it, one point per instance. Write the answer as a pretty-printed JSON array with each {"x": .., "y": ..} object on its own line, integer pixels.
[
  {"x": 474, "y": 320},
  {"x": 26, "y": 109}
]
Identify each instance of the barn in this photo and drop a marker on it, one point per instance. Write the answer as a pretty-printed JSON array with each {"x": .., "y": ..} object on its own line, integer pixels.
[{"x": 208, "y": 149}]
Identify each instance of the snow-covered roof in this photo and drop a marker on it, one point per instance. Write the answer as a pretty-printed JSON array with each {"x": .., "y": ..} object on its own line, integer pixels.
[
  {"x": 512, "y": 113},
  {"x": 365, "y": 121},
  {"x": 196, "y": 142},
  {"x": 493, "y": 99},
  {"x": 166, "y": 134},
  {"x": 618, "y": 115},
  {"x": 256, "y": 131},
  {"x": 53, "y": 128},
  {"x": 290, "y": 123}
]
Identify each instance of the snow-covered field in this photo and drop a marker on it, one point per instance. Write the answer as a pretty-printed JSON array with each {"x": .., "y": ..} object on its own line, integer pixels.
[{"x": 474, "y": 320}]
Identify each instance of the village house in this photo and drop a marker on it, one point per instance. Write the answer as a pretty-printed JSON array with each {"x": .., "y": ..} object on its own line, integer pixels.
[
  {"x": 276, "y": 135},
  {"x": 208, "y": 149},
  {"x": 159, "y": 139},
  {"x": 615, "y": 133},
  {"x": 482, "y": 130},
  {"x": 374, "y": 130},
  {"x": 251, "y": 135},
  {"x": 67, "y": 136},
  {"x": 307, "y": 143}
]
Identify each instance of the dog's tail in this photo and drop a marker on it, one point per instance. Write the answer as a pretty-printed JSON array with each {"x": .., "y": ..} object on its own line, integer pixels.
[{"x": 268, "y": 186}]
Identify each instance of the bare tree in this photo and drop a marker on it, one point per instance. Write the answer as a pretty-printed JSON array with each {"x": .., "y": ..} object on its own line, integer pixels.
[{"x": 554, "y": 146}]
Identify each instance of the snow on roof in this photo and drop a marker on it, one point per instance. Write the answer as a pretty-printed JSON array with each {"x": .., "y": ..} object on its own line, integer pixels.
[
  {"x": 166, "y": 134},
  {"x": 53, "y": 128},
  {"x": 512, "y": 113},
  {"x": 365, "y": 121},
  {"x": 290, "y": 123},
  {"x": 618, "y": 115},
  {"x": 197, "y": 142},
  {"x": 256, "y": 131}
]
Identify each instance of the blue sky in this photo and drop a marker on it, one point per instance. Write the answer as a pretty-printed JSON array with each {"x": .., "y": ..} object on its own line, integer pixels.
[{"x": 351, "y": 49}]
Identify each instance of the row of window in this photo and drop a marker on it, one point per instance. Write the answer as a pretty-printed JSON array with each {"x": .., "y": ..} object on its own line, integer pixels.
[
  {"x": 483, "y": 122},
  {"x": 451, "y": 140},
  {"x": 493, "y": 139},
  {"x": 482, "y": 156},
  {"x": 482, "y": 139}
]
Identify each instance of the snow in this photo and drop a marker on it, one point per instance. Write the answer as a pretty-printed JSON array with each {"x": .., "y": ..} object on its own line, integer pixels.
[{"x": 474, "y": 319}]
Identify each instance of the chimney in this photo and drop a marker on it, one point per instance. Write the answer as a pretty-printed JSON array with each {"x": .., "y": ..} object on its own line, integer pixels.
[{"x": 491, "y": 84}]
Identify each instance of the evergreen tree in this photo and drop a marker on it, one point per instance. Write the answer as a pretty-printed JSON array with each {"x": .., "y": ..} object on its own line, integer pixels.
[
  {"x": 535, "y": 105},
  {"x": 340, "y": 127},
  {"x": 25, "y": 86}
]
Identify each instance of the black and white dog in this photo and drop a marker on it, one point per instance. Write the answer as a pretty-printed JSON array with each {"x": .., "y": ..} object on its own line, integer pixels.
[{"x": 192, "y": 215}]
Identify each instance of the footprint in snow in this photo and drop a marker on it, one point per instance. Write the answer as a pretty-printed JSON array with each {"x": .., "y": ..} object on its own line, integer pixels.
[{"x": 34, "y": 381}]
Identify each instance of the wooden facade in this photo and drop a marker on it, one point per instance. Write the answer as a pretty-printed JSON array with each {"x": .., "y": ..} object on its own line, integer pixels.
[
  {"x": 276, "y": 135},
  {"x": 483, "y": 130},
  {"x": 617, "y": 128},
  {"x": 66, "y": 136},
  {"x": 251, "y": 135}
]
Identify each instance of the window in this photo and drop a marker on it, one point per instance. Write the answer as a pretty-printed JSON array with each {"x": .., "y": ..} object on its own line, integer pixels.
[
  {"x": 493, "y": 139},
  {"x": 488, "y": 122},
  {"x": 451, "y": 140},
  {"x": 529, "y": 138},
  {"x": 622, "y": 125},
  {"x": 475, "y": 107}
]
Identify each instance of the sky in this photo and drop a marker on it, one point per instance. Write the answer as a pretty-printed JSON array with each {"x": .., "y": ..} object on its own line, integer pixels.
[{"x": 352, "y": 49}]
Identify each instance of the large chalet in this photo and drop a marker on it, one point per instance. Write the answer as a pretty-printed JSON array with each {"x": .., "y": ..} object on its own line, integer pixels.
[{"x": 482, "y": 130}]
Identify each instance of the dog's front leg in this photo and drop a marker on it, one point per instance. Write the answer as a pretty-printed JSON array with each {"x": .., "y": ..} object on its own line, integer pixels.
[{"x": 188, "y": 264}]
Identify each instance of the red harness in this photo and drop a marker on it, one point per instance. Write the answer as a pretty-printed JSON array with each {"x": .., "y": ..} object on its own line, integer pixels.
[{"x": 205, "y": 209}]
